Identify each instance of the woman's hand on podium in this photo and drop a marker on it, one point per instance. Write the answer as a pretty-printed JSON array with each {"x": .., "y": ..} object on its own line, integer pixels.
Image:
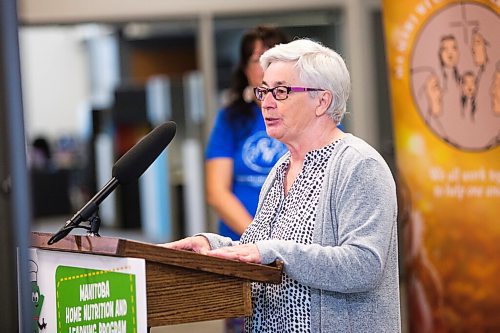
[
  {"x": 246, "y": 252},
  {"x": 198, "y": 244}
]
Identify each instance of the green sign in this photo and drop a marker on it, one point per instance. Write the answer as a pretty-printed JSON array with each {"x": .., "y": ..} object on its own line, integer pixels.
[{"x": 95, "y": 301}]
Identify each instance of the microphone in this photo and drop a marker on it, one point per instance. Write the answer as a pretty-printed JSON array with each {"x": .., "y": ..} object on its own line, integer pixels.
[{"x": 128, "y": 168}]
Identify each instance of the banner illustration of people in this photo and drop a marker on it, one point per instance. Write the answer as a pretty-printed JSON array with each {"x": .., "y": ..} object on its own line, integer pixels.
[
  {"x": 452, "y": 71},
  {"x": 444, "y": 68}
]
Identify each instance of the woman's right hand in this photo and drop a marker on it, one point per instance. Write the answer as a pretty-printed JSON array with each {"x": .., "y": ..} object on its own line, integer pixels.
[{"x": 198, "y": 244}]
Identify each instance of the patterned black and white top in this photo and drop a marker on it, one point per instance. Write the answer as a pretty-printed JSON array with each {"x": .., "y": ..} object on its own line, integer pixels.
[{"x": 286, "y": 307}]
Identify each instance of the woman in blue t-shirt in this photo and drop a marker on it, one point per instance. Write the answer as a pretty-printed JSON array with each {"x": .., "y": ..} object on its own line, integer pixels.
[{"x": 239, "y": 152}]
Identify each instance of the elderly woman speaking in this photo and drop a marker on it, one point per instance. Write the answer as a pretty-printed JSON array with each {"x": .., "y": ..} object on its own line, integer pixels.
[{"x": 327, "y": 209}]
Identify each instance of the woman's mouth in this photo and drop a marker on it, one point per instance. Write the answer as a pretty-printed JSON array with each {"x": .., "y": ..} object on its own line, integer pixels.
[{"x": 271, "y": 120}]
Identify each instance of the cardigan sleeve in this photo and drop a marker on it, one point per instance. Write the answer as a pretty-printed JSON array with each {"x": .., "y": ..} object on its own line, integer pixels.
[
  {"x": 364, "y": 211},
  {"x": 217, "y": 241}
]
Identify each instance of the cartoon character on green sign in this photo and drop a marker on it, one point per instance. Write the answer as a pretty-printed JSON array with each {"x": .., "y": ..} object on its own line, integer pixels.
[{"x": 37, "y": 299}]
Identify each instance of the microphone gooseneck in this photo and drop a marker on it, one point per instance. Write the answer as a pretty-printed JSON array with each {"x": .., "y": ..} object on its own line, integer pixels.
[
  {"x": 86, "y": 212},
  {"x": 128, "y": 168}
]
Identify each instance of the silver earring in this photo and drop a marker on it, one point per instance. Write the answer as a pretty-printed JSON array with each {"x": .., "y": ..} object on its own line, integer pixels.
[{"x": 248, "y": 94}]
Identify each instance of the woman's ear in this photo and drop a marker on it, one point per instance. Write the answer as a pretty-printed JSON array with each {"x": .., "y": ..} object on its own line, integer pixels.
[{"x": 325, "y": 99}]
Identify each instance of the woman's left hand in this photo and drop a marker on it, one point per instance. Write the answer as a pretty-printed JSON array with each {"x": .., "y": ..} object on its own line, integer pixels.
[{"x": 245, "y": 252}]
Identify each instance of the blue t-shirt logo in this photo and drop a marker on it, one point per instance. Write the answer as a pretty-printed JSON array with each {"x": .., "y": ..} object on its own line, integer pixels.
[{"x": 261, "y": 152}]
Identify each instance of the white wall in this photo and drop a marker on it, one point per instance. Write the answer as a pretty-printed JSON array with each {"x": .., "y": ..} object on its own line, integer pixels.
[
  {"x": 55, "y": 79},
  {"x": 78, "y": 11}
]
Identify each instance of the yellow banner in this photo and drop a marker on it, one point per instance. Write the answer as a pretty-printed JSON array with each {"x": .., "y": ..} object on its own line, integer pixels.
[{"x": 444, "y": 68}]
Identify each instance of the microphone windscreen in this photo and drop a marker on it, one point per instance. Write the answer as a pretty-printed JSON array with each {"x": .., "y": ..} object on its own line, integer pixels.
[{"x": 135, "y": 161}]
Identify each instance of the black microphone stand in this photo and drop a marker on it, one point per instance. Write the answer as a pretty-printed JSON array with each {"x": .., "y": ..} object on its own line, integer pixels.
[
  {"x": 89, "y": 213},
  {"x": 92, "y": 227},
  {"x": 95, "y": 223}
]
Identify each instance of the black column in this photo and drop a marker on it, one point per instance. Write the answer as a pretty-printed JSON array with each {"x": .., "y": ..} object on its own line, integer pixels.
[{"x": 15, "y": 201}]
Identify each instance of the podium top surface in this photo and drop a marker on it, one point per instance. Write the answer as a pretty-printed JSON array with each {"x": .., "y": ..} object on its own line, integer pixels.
[{"x": 119, "y": 247}]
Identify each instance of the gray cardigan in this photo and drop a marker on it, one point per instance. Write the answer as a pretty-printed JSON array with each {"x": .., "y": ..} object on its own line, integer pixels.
[{"x": 352, "y": 265}]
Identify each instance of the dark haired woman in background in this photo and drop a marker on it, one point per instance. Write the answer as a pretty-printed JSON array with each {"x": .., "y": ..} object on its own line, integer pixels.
[{"x": 239, "y": 153}]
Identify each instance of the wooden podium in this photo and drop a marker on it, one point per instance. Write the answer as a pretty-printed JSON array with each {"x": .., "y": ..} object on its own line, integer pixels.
[{"x": 181, "y": 286}]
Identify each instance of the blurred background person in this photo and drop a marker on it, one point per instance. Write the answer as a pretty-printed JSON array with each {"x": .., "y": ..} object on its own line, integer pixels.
[
  {"x": 239, "y": 153},
  {"x": 41, "y": 154}
]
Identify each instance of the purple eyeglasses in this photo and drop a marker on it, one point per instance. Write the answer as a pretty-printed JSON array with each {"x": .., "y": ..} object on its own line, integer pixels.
[{"x": 280, "y": 92}]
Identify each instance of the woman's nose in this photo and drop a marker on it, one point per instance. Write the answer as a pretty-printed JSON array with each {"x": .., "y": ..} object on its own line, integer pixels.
[{"x": 269, "y": 100}]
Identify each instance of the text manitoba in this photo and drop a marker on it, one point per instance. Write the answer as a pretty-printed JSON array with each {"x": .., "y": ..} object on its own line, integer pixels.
[{"x": 94, "y": 290}]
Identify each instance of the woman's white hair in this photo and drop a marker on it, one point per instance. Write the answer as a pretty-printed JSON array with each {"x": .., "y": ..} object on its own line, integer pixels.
[{"x": 317, "y": 67}]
